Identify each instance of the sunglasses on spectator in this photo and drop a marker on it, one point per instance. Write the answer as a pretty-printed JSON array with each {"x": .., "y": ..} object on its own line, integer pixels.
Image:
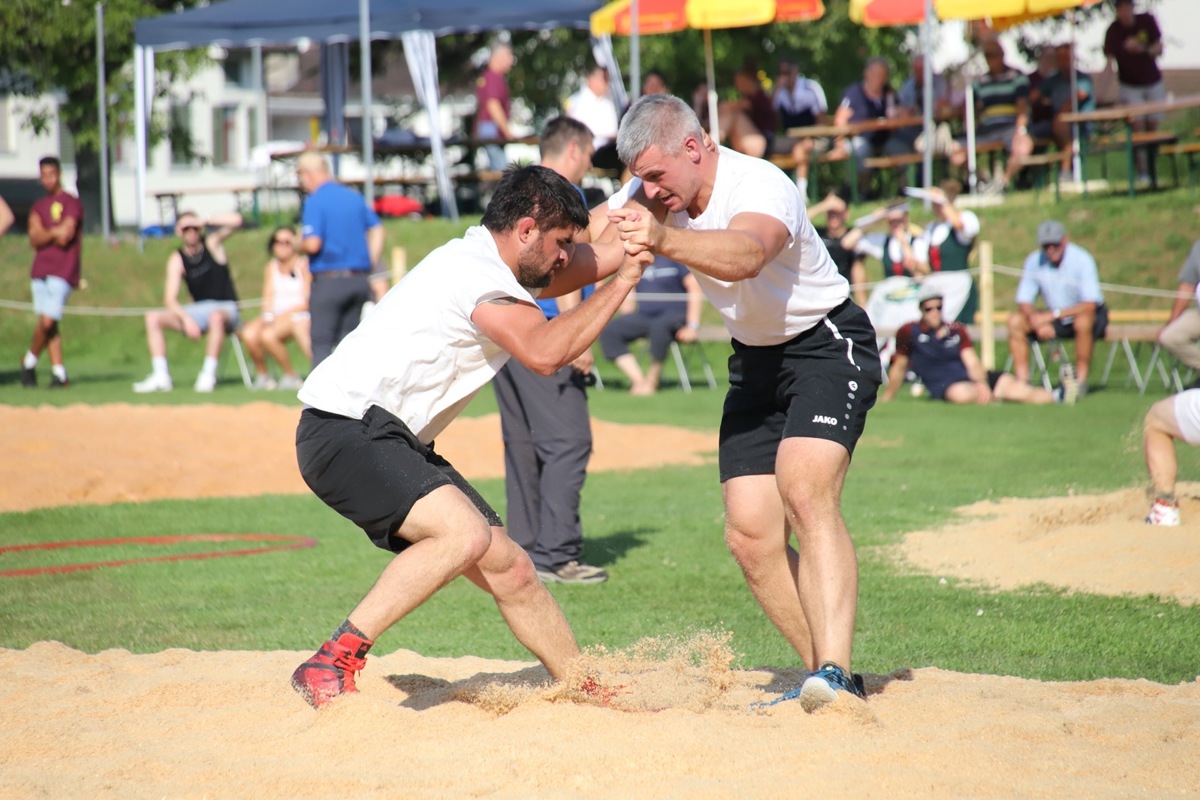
[
  {"x": 187, "y": 228},
  {"x": 1052, "y": 246},
  {"x": 934, "y": 307},
  {"x": 288, "y": 242}
]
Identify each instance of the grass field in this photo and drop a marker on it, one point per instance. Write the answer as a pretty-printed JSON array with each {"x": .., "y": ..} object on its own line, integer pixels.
[{"x": 658, "y": 532}]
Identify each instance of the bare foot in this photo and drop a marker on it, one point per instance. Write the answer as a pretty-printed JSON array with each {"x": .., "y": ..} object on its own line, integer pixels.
[{"x": 642, "y": 389}]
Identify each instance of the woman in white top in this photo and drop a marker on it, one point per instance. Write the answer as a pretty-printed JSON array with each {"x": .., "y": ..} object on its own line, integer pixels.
[{"x": 286, "y": 285}]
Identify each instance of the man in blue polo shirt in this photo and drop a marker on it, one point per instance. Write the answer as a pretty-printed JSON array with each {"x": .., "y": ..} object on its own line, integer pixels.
[
  {"x": 343, "y": 239},
  {"x": 1064, "y": 275}
]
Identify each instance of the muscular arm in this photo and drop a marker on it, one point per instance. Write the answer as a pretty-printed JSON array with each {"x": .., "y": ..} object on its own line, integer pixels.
[
  {"x": 547, "y": 346},
  {"x": 171, "y": 285},
  {"x": 751, "y": 241},
  {"x": 39, "y": 235}
]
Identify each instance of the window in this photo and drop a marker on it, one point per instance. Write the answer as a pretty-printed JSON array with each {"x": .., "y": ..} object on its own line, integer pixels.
[
  {"x": 224, "y": 130},
  {"x": 179, "y": 134},
  {"x": 66, "y": 143},
  {"x": 6, "y": 142}
]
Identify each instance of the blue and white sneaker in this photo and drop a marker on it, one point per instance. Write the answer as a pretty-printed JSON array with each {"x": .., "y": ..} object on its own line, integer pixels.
[{"x": 821, "y": 687}]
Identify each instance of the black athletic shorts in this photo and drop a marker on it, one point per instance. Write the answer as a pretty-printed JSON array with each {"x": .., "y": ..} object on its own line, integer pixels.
[
  {"x": 1065, "y": 328},
  {"x": 373, "y": 470},
  {"x": 820, "y": 385}
]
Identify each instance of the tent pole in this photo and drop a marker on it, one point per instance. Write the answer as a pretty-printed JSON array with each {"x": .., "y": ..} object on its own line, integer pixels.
[
  {"x": 368, "y": 137},
  {"x": 714, "y": 127},
  {"x": 139, "y": 132},
  {"x": 927, "y": 99},
  {"x": 102, "y": 105},
  {"x": 635, "y": 55}
]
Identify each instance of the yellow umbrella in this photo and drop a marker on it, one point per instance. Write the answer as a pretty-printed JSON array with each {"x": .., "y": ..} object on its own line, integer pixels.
[{"x": 668, "y": 16}]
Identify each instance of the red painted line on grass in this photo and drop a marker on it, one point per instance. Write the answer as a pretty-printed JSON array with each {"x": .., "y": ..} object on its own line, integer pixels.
[{"x": 290, "y": 542}]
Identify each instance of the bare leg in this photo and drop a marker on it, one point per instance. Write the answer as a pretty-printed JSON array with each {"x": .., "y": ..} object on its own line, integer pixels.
[
  {"x": 1017, "y": 391},
  {"x": 1018, "y": 345},
  {"x": 756, "y": 533},
  {"x": 449, "y": 537},
  {"x": 216, "y": 333},
  {"x": 274, "y": 337},
  {"x": 1084, "y": 343},
  {"x": 531, "y": 612},
  {"x": 1158, "y": 443},
  {"x": 653, "y": 377},
  {"x": 252, "y": 337},
  {"x": 810, "y": 474},
  {"x": 628, "y": 364},
  {"x": 156, "y": 323}
]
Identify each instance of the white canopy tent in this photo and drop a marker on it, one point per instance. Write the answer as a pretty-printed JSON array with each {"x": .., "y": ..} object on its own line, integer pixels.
[{"x": 252, "y": 23}]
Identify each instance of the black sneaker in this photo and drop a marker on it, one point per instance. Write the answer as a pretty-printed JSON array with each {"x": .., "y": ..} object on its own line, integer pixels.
[
  {"x": 59, "y": 383},
  {"x": 28, "y": 376}
]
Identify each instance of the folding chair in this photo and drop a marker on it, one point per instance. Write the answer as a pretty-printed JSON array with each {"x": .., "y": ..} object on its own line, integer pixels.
[
  {"x": 681, "y": 364},
  {"x": 235, "y": 344},
  {"x": 1168, "y": 368},
  {"x": 1037, "y": 366},
  {"x": 1131, "y": 360}
]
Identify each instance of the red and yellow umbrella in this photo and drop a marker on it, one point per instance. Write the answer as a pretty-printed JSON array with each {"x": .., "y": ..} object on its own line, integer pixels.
[
  {"x": 668, "y": 16},
  {"x": 1003, "y": 13}
]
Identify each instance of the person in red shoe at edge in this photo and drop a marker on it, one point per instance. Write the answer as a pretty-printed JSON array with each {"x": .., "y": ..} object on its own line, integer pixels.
[{"x": 365, "y": 441}]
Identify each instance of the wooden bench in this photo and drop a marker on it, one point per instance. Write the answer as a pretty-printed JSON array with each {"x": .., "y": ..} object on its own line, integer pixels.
[
  {"x": 1151, "y": 141},
  {"x": 1189, "y": 150},
  {"x": 1051, "y": 159}
]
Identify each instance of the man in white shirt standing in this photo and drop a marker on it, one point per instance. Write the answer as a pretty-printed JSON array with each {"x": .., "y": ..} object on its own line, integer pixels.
[
  {"x": 803, "y": 374},
  {"x": 593, "y": 106},
  {"x": 372, "y": 409}
]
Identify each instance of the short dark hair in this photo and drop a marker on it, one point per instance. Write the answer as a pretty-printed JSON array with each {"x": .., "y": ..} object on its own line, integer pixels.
[
  {"x": 534, "y": 191},
  {"x": 50, "y": 161},
  {"x": 558, "y": 134}
]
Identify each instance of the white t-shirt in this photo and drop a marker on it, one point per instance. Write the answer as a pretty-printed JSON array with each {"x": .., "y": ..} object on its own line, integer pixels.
[
  {"x": 599, "y": 113},
  {"x": 793, "y": 292},
  {"x": 418, "y": 355}
]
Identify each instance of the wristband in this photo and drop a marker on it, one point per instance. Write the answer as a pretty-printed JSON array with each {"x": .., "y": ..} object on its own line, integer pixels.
[
  {"x": 694, "y": 326},
  {"x": 1057, "y": 314}
]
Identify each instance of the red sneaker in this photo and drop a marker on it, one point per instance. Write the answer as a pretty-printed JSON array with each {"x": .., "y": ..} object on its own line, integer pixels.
[{"x": 330, "y": 672}]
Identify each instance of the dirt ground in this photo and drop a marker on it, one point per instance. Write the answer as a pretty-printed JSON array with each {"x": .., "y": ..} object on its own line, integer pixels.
[{"x": 682, "y": 723}]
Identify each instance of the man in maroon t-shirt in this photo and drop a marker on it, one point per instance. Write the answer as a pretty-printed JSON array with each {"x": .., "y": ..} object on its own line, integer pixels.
[
  {"x": 1134, "y": 43},
  {"x": 494, "y": 104},
  {"x": 56, "y": 233}
]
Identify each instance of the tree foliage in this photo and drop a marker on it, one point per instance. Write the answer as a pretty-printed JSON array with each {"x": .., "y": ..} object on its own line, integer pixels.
[{"x": 49, "y": 47}]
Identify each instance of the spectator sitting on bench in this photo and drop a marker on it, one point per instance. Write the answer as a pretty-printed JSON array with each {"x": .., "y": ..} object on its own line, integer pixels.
[
  {"x": 1054, "y": 95},
  {"x": 202, "y": 266},
  {"x": 1002, "y": 111},
  {"x": 1065, "y": 276},
  {"x": 940, "y": 354},
  {"x": 911, "y": 99},
  {"x": 747, "y": 124},
  {"x": 660, "y": 320},
  {"x": 871, "y": 98},
  {"x": 1181, "y": 335},
  {"x": 286, "y": 286},
  {"x": 799, "y": 102}
]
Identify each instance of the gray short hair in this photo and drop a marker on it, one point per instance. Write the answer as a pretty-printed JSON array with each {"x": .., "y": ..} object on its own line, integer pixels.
[{"x": 656, "y": 119}]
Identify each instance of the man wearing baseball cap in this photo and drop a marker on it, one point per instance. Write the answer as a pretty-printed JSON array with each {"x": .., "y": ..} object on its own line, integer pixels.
[{"x": 1064, "y": 275}]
